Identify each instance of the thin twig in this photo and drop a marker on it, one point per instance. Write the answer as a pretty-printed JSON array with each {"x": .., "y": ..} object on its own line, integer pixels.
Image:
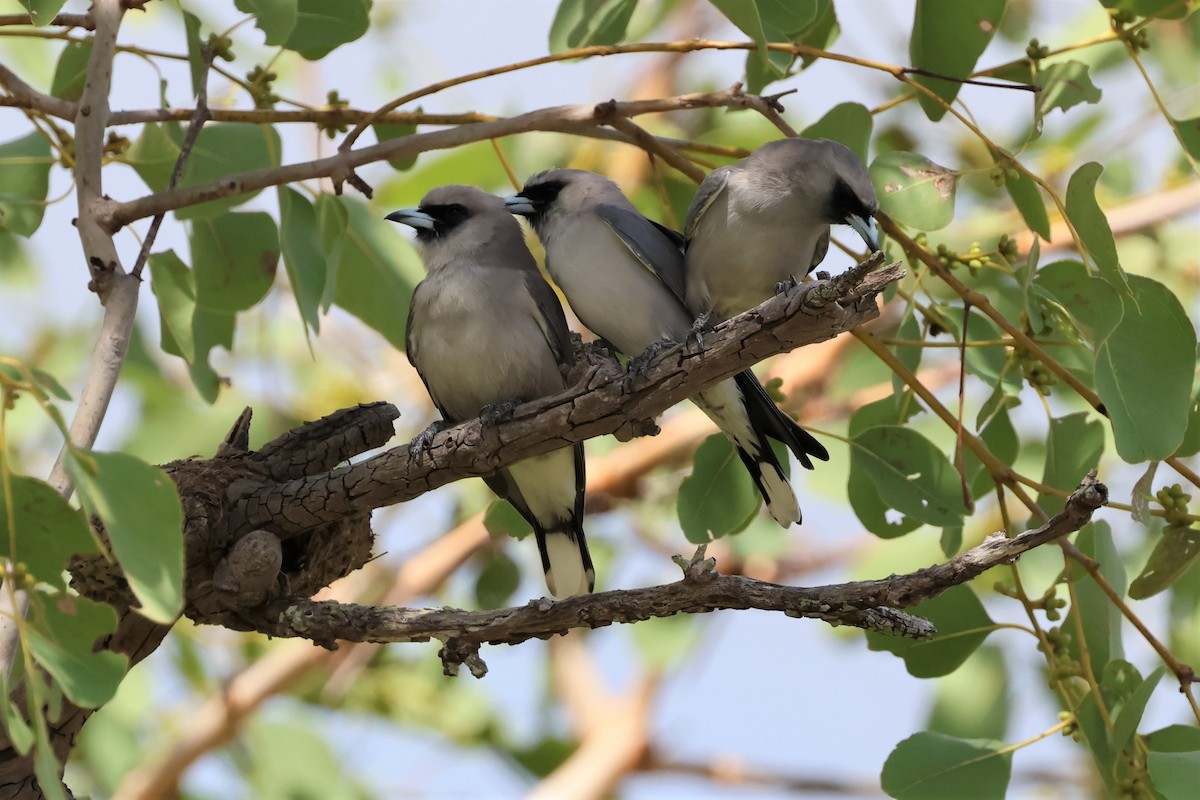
[{"x": 199, "y": 117}]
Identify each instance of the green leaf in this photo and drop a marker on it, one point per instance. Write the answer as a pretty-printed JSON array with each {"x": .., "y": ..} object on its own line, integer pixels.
[
  {"x": 385, "y": 131},
  {"x": 1001, "y": 439},
  {"x": 1091, "y": 224},
  {"x": 1062, "y": 85},
  {"x": 1175, "y": 775},
  {"x": 324, "y": 25},
  {"x": 1073, "y": 447},
  {"x": 234, "y": 257},
  {"x": 848, "y": 123},
  {"x": 581, "y": 23},
  {"x": 1175, "y": 552},
  {"x": 911, "y": 474},
  {"x": 1144, "y": 373},
  {"x": 275, "y": 18},
  {"x": 175, "y": 289},
  {"x": 962, "y": 625},
  {"x": 933, "y": 766},
  {"x": 70, "y": 74},
  {"x": 948, "y": 38},
  {"x": 746, "y": 17},
  {"x": 290, "y": 759},
  {"x": 973, "y": 701},
  {"x": 47, "y": 530},
  {"x": 42, "y": 12},
  {"x": 62, "y": 639},
  {"x": 497, "y": 581},
  {"x": 1101, "y": 620},
  {"x": 1191, "y": 437},
  {"x": 914, "y": 190},
  {"x": 1027, "y": 197},
  {"x": 1093, "y": 305},
  {"x": 1173, "y": 739},
  {"x": 153, "y": 155},
  {"x": 377, "y": 273},
  {"x": 719, "y": 497},
  {"x": 502, "y": 519},
  {"x": 1130, "y": 716},
  {"x": 140, "y": 510},
  {"x": 24, "y": 180},
  {"x": 224, "y": 149},
  {"x": 195, "y": 51},
  {"x": 300, "y": 238},
  {"x": 1188, "y": 131},
  {"x": 1095, "y": 736},
  {"x": 332, "y": 220}
]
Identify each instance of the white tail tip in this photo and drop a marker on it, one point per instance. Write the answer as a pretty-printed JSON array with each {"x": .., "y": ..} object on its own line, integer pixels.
[
  {"x": 567, "y": 575},
  {"x": 781, "y": 500}
]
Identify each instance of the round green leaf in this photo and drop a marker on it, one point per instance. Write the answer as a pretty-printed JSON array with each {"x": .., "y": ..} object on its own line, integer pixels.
[
  {"x": 933, "y": 766},
  {"x": 913, "y": 190},
  {"x": 48, "y": 531},
  {"x": 1144, "y": 373},
  {"x": 910, "y": 474},
  {"x": 61, "y": 638},
  {"x": 962, "y": 624},
  {"x": 719, "y": 497},
  {"x": 24, "y": 180},
  {"x": 502, "y": 519},
  {"x": 324, "y": 25},
  {"x": 70, "y": 73},
  {"x": 1175, "y": 775},
  {"x": 848, "y": 123},
  {"x": 275, "y": 18},
  {"x": 234, "y": 257},
  {"x": 224, "y": 149}
]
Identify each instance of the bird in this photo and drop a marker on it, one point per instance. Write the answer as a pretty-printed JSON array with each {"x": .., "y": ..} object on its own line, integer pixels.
[
  {"x": 623, "y": 276},
  {"x": 485, "y": 331},
  {"x": 755, "y": 226}
]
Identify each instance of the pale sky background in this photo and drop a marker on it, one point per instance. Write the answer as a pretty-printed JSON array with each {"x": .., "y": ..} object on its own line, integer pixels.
[{"x": 782, "y": 695}]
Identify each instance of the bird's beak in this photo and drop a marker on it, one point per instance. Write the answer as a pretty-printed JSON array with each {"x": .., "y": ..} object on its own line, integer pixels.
[
  {"x": 413, "y": 217},
  {"x": 865, "y": 227},
  {"x": 520, "y": 205}
]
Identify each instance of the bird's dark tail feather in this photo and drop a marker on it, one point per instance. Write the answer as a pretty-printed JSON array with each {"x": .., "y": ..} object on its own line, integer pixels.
[
  {"x": 767, "y": 418},
  {"x": 565, "y": 558}
]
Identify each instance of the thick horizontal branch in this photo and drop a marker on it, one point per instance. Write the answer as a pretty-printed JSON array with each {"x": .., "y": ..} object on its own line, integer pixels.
[
  {"x": 604, "y": 400},
  {"x": 872, "y": 605}
]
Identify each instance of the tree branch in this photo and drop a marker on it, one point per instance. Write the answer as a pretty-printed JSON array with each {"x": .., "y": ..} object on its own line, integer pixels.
[
  {"x": 340, "y": 167},
  {"x": 603, "y": 401},
  {"x": 872, "y": 605}
]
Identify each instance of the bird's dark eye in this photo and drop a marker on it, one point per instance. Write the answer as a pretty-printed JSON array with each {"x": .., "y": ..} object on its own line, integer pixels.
[
  {"x": 454, "y": 213},
  {"x": 543, "y": 193},
  {"x": 845, "y": 203}
]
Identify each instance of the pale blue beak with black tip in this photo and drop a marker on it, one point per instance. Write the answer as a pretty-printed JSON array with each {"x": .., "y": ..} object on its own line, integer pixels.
[
  {"x": 865, "y": 227},
  {"x": 519, "y": 205},
  {"x": 413, "y": 217}
]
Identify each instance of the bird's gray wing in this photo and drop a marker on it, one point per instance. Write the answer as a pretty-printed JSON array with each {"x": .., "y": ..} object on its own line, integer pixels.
[
  {"x": 551, "y": 318},
  {"x": 820, "y": 249},
  {"x": 710, "y": 188},
  {"x": 657, "y": 251},
  {"x": 412, "y": 352}
]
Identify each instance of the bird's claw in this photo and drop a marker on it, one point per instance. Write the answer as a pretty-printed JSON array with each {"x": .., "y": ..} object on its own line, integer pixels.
[
  {"x": 605, "y": 346},
  {"x": 699, "y": 326},
  {"x": 495, "y": 413},
  {"x": 786, "y": 285},
  {"x": 640, "y": 364},
  {"x": 424, "y": 440}
]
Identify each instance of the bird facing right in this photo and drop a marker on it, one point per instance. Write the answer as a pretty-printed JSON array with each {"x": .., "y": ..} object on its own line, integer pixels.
[{"x": 764, "y": 221}]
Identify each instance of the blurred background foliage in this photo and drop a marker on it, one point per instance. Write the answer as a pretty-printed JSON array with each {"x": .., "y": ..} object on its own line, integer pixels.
[{"x": 718, "y": 706}]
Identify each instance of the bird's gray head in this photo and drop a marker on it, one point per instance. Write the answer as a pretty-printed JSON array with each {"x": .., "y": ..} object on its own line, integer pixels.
[
  {"x": 554, "y": 192},
  {"x": 829, "y": 175},
  {"x": 455, "y": 222}
]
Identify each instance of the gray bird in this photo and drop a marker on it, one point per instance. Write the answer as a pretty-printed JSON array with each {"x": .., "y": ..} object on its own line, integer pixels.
[
  {"x": 486, "y": 331},
  {"x": 756, "y": 226},
  {"x": 624, "y": 278}
]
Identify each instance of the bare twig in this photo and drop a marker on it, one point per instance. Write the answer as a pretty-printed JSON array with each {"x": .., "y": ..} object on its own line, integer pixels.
[
  {"x": 199, "y": 117},
  {"x": 872, "y": 605},
  {"x": 61, "y": 20}
]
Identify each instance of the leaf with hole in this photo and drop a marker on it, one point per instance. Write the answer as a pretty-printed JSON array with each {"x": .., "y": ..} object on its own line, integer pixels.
[
  {"x": 719, "y": 497},
  {"x": 911, "y": 474},
  {"x": 914, "y": 190},
  {"x": 948, "y": 38}
]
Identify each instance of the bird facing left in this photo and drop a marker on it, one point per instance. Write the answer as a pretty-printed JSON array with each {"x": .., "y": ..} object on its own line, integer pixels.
[{"x": 486, "y": 331}]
